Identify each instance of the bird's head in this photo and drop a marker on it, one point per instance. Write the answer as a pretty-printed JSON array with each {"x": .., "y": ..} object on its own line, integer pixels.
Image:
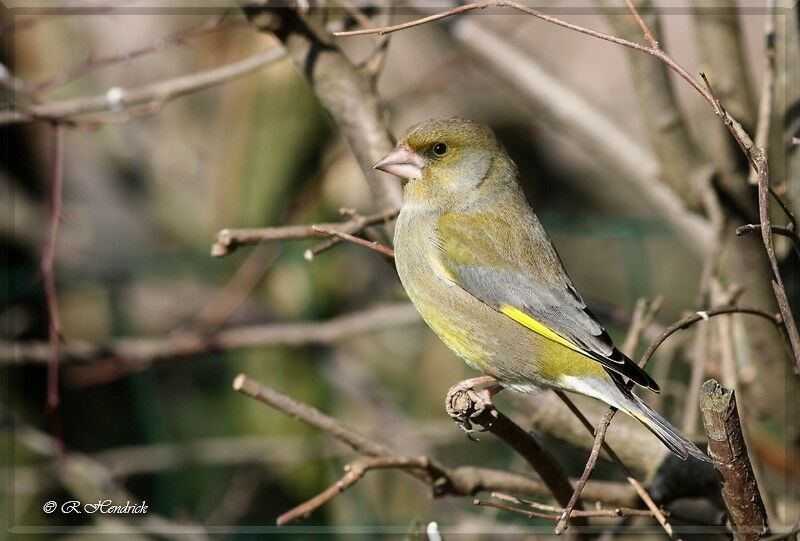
[{"x": 444, "y": 160}]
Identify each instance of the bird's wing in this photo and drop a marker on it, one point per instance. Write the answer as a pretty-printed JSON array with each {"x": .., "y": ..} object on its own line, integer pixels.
[{"x": 513, "y": 268}]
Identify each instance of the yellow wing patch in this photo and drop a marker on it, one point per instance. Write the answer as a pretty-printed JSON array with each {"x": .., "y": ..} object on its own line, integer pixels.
[{"x": 524, "y": 319}]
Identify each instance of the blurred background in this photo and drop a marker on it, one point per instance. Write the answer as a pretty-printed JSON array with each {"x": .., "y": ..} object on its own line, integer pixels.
[{"x": 145, "y": 193}]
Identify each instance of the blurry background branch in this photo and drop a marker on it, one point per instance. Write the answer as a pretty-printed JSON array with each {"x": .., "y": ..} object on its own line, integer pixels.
[
  {"x": 153, "y": 96},
  {"x": 139, "y": 352},
  {"x": 89, "y": 481}
]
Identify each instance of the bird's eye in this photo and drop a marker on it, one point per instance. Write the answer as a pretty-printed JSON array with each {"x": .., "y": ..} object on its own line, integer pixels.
[{"x": 440, "y": 149}]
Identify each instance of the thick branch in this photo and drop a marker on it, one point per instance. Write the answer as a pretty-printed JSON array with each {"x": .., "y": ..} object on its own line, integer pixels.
[
  {"x": 346, "y": 92},
  {"x": 726, "y": 446},
  {"x": 466, "y": 404}
]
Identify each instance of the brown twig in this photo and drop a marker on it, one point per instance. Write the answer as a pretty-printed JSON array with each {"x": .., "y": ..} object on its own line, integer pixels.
[
  {"x": 228, "y": 240},
  {"x": 637, "y": 486},
  {"x": 597, "y": 512},
  {"x": 47, "y": 264},
  {"x": 553, "y": 513},
  {"x": 688, "y": 321},
  {"x": 769, "y": 76},
  {"x": 464, "y": 404},
  {"x": 648, "y": 34},
  {"x": 177, "y": 38},
  {"x": 654, "y": 51},
  {"x": 599, "y": 438},
  {"x": 726, "y": 446},
  {"x": 644, "y": 313},
  {"x": 143, "y": 351},
  {"x": 460, "y": 481},
  {"x": 118, "y": 99},
  {"x": 354, "y": 472},
  {"x": 372, "y": 245},
  {"x": 787, "y": 231}
]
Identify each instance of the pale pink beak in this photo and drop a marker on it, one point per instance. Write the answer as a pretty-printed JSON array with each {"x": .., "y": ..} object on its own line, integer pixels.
[{"x": 402, "y": 162}]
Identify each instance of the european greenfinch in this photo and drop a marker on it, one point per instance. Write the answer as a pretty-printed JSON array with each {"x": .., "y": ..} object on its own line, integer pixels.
[{"x": 484, "y": 275}]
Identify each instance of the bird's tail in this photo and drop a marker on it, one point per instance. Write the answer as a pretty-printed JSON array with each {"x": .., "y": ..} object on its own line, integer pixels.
[{"x": 661, "y": 428}]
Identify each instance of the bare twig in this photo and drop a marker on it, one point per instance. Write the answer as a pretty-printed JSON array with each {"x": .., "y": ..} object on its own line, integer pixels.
[
  {"x": 176, "y": 38},
  {"x": 372, "y": 245},
  {"x": 637, "y": 486},
  {"x": 726, "y": 446},
  {"x": 461, "y": 481},
  {"x": 47, "y": 264},
  {"x": 704, "y": 315},
  {"x": 228, "y": 240},
  {"x": 142, "y": 351},
  {"x": 644, "y": 313},
  {"x": 600, "y": 434},
  {"x": 116, "y": 99},
  {"x": 787, "y": 231},
  {"x": 648, "y": 34},
  {"x": 354, "y": 471},
  {"x": 767, "y": 98},
  {"x": 549, "y": 512}
]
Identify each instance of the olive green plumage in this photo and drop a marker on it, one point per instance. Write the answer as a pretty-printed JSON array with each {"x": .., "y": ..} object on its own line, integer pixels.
[{"x": 482, "y": 272}]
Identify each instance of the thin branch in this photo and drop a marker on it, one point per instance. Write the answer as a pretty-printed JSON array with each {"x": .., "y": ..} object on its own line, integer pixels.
[
  {"x": 460, "y": 481},
  {"x": 658, "y": 53},
  {"x": 640, "y": 490},
  {"x": 688, "y": 321},
  {"x": 599, "y": 437},
  {"x": 643, "y": 314},
  {"x": 372, "y": 245},
  {"x": 787, "y": 231},
  {"x": 117, "y": 99},
  {"x": 726, "y": 447},
  {"x": 354, "y": 472},
  {"x": 616, "y": 512},
  {"x": 648, "y": 34},
  {"x": 766, "y": 102},
  {"x": 553, "y": 513},
  {"x": 176, "y": 38},
  {"x": 143, "y": 351},
  {"x": 228, "y": 240},
  {"x": 47, "y": 265}
]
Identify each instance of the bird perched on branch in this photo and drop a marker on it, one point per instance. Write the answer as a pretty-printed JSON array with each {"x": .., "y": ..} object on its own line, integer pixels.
[{"x": 485, "y": 276}]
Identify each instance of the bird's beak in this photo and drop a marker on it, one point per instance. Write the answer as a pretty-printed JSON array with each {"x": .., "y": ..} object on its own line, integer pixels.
[{"x": 402, "y": 162}]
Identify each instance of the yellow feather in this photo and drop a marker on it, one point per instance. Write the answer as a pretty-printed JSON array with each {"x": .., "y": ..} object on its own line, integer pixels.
[{"x": 521, "y": 317}]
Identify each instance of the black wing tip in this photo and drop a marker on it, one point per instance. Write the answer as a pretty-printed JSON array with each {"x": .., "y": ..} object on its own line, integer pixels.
[{"x": 634, "y": 372}]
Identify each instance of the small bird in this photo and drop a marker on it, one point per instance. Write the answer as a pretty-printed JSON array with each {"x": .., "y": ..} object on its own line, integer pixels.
[{"x": 484, "y": 275}]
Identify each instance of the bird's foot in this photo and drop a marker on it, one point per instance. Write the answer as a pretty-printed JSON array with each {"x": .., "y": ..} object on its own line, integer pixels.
[{"x": 464, "y": 402}]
